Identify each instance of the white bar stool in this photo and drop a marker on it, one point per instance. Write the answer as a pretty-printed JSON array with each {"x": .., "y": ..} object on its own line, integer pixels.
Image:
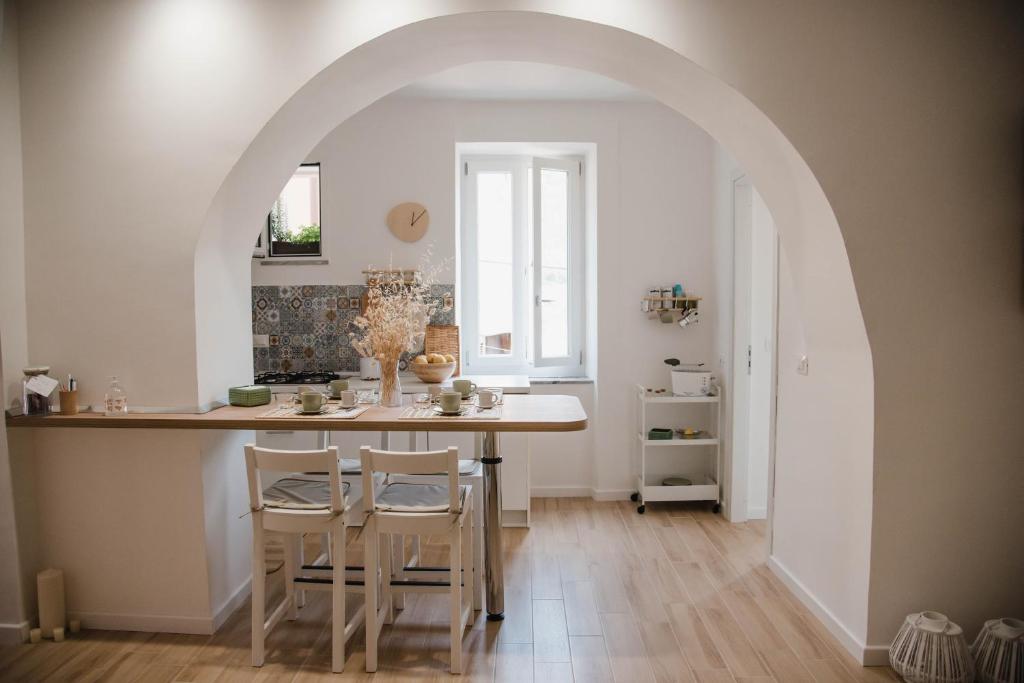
[
  {"x": 471, "y": 473},
  {"x": 414, "y": 510},
  {"x": 294, "y": 505}
]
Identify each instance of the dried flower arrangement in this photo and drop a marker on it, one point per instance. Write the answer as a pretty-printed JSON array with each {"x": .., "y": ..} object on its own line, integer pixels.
[{"x": 395, "y": 321}]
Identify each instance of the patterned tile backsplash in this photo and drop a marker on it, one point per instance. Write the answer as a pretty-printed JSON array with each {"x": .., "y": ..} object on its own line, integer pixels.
[{"x": 309, "y": 325}]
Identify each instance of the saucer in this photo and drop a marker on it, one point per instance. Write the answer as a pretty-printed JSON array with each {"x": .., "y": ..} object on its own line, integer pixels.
[
  {"x": 318, "y": 411},
  {"x": 437, "y": 409}
]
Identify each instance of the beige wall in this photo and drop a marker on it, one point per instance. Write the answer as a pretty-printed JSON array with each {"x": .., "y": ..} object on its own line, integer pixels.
[
  {"x": 909, "y": 115},
  {"x": 13, "y": 330}
]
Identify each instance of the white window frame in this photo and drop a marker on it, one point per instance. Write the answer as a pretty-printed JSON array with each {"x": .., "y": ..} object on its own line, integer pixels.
[{"x": 525, "y": 357}]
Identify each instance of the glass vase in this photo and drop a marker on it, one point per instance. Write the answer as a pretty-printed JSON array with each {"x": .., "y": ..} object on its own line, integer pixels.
[{"x": 390, "y": 385}]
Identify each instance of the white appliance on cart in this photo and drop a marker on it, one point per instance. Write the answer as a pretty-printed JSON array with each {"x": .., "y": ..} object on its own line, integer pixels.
[{"x": 697, "y": 458}]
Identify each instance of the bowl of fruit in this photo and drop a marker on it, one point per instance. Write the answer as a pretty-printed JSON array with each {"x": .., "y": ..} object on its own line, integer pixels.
[{"x": 433, "y": 368}]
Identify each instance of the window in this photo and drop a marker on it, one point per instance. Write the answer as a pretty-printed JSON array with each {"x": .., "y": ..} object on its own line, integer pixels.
[
  {"x": 293, "y": 226},
  {"x": 522, "y": 264}
]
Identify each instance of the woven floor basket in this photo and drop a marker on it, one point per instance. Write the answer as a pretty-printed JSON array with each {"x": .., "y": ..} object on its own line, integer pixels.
[
  {"x": 999, "y": 651},
  {"x": 929, "y": 648}
]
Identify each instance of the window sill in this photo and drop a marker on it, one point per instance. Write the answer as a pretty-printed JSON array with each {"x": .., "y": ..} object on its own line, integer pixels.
[
  {"x": 561, "y": 380},
  {"x": 277, "y": 261}
]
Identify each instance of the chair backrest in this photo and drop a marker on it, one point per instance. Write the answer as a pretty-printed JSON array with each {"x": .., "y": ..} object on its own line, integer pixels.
[
  {"x": 268, "y": 459},
  {"x": 401, "y": 462}
]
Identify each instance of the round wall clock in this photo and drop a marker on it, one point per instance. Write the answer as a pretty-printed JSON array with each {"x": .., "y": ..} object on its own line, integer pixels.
[{"x": 409, "y": 221}]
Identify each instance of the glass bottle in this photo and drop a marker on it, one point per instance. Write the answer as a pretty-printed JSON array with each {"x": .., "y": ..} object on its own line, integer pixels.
[{"x": 115, "y": 401}]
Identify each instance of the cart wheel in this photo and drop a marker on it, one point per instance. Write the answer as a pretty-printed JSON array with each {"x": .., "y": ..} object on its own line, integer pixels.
[
  {"x": 640, "y": 509},
  {"x": 716, "y": 508},
  {"x": 634, "y": 497}
]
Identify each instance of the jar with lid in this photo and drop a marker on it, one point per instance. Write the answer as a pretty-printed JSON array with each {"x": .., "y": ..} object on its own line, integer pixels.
[
  {"x": 115, "y": 400},
  {"x": 34, "y": 403}
]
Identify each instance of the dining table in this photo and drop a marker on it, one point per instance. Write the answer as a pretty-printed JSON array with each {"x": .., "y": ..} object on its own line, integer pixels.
[{"x": 522, "y": 413}]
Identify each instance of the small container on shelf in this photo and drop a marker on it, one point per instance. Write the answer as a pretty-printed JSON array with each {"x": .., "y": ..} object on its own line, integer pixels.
[
  {"x": 69, "y": 402},
  {"x": 34, "y": 401},
  {"x": 115, "y": 402}
]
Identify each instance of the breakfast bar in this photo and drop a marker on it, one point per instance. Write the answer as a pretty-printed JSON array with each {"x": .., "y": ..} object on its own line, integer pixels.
[{"x": 519, "y": 413}]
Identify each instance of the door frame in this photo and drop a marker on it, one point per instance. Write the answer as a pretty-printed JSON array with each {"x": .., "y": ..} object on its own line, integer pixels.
[{"x": 739, "y": 461}]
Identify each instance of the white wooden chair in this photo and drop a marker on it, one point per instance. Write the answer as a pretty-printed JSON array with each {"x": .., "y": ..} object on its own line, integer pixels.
[
  {"x": 415, "y": 510},
  {"x": 293, "y": 505},
  {"x": 471, "y": 473}
]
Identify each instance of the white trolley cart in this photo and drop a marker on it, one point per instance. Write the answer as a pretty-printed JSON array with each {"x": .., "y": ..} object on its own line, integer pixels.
[{"x": 698, "y": 459}]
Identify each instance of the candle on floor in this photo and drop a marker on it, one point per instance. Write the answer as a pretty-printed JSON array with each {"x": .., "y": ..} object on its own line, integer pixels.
[
  {"x": 76, "y": 625},
  {"x": 35, "y": 635},
  {"x": 58, "y": 634},
  {"x": 50, "y": 585}
]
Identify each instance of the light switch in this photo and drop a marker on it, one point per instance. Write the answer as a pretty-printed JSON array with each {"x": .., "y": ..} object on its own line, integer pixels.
[
  {"x": 260, "y": 341},
  {"x": 802, "y": 367}
]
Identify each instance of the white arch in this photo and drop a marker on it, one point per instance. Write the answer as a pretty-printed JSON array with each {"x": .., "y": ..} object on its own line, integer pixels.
[{"x": 833, "y": 325}]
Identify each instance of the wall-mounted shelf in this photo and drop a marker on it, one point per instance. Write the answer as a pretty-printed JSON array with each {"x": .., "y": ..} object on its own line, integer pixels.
[{"x": 676, "y": 306}]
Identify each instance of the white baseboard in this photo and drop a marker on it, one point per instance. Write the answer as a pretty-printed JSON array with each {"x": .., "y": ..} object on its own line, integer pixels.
[
  {"x": 757, "y": 513},
  {"x": 12, "y": 634},
  {"x": 229, "y": 606},
  {"x": 579, "y": 492},
  {"x": 153, "y": 623},
  {"x": 156, "y": 623},
  {"x": 612, "y": 494},
  {"x": 561, "y": 492},
  {"x": 852, "y": 644}
]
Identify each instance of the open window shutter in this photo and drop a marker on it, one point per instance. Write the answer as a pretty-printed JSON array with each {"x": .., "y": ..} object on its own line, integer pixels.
[{"x": 556, "y": 216}]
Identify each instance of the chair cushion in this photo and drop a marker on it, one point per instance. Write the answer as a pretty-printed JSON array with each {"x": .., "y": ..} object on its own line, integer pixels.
[
  {"x": 354, "y": 466},
  {"x": 297, "y": 492},
  {"x": 395, "y": 497}
]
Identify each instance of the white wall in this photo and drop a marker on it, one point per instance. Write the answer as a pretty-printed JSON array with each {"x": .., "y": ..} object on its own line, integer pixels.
[
  {"x": 916, "y": 145},
  {"x": 653, "y": 229},
  {"x": 13, "y": 329}
]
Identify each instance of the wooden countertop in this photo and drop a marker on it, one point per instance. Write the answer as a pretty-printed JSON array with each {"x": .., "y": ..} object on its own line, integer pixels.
[{"x": 520, "y": 413}]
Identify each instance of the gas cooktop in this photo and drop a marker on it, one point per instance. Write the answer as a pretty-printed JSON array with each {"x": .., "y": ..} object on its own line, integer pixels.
[{"x": 295, "y": 377}]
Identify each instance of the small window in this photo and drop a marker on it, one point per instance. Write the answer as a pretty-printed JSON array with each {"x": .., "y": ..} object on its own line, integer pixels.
[
  {"x": 293, "y": 226},
  {"x": 522, "y": 265}
]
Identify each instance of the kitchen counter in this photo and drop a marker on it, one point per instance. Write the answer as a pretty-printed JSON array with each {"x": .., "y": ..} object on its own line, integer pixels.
[
  {"x": 536, "y": 413},
  {"x": 411, "y": 384}
]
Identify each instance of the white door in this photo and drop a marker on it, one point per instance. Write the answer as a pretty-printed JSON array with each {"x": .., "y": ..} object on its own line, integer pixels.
[
  {"x": 743, "y": 216},
  {"x": 763, "y": 287},
  {"x": 754, "y": 332}
]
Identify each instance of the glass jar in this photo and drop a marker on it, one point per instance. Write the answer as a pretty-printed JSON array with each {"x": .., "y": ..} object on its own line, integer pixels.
[
  {"x": 33, "y": 403},
  {"x": 116, "y": 400}
]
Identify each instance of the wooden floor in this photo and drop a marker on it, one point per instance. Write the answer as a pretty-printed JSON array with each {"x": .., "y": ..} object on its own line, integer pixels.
[{"x": 593, "y": 592}]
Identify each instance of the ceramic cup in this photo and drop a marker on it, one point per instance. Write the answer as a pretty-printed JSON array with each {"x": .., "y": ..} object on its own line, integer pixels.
[
  {"x": 338, "y": 386},
  {"x": 464, "y": 387},
  {"x": 450, "y": 401},
  {"x": 486, "y": 398},
  {"x": 312, "y": 401},
  {"x": 348, "y": 398}
]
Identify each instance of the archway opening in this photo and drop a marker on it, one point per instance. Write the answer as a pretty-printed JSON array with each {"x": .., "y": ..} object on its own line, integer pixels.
[{"x": 836, "y": 397}]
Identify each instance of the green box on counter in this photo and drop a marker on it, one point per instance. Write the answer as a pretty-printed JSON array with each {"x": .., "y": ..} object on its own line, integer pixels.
[
  {"x": 659, "y": 434},
  {"x": 249, "y": 396}
]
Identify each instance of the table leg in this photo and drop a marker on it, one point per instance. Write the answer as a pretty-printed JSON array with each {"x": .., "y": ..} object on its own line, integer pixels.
[{"x": 493, "y": 561}]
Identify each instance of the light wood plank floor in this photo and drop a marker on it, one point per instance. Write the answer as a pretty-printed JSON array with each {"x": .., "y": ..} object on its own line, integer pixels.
[{"x": 594, "y": 592}]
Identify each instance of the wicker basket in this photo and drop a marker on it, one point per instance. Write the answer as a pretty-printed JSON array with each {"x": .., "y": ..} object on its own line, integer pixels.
[
  {"x": 999, "y": 651},
  {"x": 444, "y": 339},
  {"x": 929, "y": 648}
]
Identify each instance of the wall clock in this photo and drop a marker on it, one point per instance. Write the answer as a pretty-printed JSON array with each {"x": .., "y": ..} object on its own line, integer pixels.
[{"x": 409, "y": 221}]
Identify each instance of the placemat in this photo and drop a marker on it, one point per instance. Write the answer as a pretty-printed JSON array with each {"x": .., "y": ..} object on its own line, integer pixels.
[
  {"x": 335, "y": 412},
  {"x": 471, "y": 412}
]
